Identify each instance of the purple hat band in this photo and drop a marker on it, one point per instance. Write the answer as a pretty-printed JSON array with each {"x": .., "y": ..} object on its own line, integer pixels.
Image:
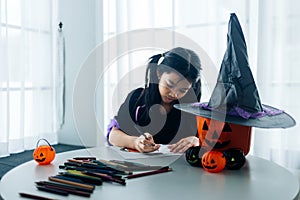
[{"x": 240, "y": 112}]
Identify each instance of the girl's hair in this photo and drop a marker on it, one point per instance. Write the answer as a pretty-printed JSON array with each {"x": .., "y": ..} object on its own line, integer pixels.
[{"x": 180, "y": 60}]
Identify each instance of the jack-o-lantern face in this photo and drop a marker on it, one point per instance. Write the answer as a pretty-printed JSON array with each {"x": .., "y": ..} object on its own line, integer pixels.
[
  {"x": 213, "y": 161},
  {"x": 221, "y": 136},
  {"x": 44, "y": 154}
]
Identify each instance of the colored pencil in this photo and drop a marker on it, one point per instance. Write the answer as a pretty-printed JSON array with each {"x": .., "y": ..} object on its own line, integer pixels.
[
  {"x": 96, "y": 166},
  {"x": 64, "y": 186},
  {"x": 110, "y": 172},
  {"x": 85, "y": 178},
  {"x": 59, "y": 180},
  {"x": 64, "y": 189},
  {"x": 70, "y": 179},
  {"x": 106, "y": 177},
  {"x": 84, "y": 158},
  {"x": 33, "y": 196},
  {"x": 52, "y": 190},
  {"x": 162, "y": 170}
]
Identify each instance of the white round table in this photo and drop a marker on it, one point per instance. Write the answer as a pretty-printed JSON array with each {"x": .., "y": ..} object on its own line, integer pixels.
[{"x": 258, "y": 179}]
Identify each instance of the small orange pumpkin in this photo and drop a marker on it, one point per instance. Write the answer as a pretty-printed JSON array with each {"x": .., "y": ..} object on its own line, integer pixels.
[
  {"x": 213, "y": 161},
  {"x": 44, "y": 154}
]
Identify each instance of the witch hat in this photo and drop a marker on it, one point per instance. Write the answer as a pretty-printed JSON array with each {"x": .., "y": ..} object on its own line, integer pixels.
[{"x": 235, "y": 98}]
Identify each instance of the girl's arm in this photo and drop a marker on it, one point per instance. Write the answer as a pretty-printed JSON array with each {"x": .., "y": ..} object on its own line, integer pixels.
[{"x": 121, "y": 139}]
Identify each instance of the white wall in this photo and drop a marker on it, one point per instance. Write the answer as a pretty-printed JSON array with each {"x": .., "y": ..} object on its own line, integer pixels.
[{"x": 78, "y": 18}]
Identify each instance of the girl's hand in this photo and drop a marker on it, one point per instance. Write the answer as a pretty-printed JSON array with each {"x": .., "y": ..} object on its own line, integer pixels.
[
  {"x": 182, "y": 145},
  {"x": 145, "y": 143}
]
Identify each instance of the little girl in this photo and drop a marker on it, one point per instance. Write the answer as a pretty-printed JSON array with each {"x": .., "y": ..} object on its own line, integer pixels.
[{"x": 147, "y": 118}]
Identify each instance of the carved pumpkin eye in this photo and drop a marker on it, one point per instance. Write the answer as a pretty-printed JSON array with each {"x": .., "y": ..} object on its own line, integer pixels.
[
  {"x": 205, "y": 127},
  {"x": 41, "y": 154},
  {"x": 226, "y": 128}
]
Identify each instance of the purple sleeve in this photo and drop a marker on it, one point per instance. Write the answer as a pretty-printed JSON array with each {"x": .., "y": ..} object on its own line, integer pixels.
[{"x": 113, "y": 123}]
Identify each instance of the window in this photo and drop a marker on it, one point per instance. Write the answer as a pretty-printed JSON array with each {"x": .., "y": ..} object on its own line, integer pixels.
[
  {"x": 205, "y": 22},
  {"x": 27, "y": 73}
]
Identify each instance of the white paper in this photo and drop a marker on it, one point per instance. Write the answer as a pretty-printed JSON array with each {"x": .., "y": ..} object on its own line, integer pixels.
[{"x": 163, "y": 151}]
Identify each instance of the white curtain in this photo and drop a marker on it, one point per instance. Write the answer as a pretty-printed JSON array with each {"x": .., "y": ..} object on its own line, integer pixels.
[
  {"x": 278, "y": 73},
  {"x": 203, "y": 21},
  {"x": 26, "y": 74},
  {"x": 271, "y": 29}
]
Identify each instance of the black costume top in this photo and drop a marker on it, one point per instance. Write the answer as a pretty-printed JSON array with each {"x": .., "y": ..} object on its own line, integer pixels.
[{"x": 165, "y": 127}]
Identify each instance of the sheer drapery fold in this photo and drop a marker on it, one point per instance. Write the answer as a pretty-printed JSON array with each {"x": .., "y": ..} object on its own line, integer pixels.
[
  {"x": 278, "y": 78},
  {"x": 271, "y": 32},
  {"x": 26, "y": 74}
]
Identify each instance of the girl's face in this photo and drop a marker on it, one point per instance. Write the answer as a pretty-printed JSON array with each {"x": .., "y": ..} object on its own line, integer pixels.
[{"x": 172, "y": 86}]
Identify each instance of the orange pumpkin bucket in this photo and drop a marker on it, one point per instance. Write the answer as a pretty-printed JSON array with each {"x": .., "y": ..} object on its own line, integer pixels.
[
  {"x": 44, "y": 154},
  {"x": 221, "y": 136}
]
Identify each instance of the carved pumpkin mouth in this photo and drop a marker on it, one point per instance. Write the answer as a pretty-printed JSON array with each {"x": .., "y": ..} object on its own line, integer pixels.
[
  {"x": 210, "y": 167},
  {"x": 217, "y": 145},
  {"x": 41, "y": 160}
]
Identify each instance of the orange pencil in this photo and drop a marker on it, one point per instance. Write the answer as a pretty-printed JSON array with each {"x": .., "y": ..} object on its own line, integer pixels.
[{"x": 71, "y": 183}]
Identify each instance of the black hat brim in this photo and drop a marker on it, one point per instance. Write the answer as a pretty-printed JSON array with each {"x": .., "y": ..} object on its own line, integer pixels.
[{"x": 282, "y": 120}]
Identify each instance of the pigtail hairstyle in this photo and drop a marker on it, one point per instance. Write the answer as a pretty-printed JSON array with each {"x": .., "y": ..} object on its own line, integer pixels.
[
  {"x": 150, "y": 94},
  {"x": 180, "y": 60}
]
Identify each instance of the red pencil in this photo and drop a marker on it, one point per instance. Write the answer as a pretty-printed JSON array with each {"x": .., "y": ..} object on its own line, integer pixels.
[{"x": 161, "y": 170}]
